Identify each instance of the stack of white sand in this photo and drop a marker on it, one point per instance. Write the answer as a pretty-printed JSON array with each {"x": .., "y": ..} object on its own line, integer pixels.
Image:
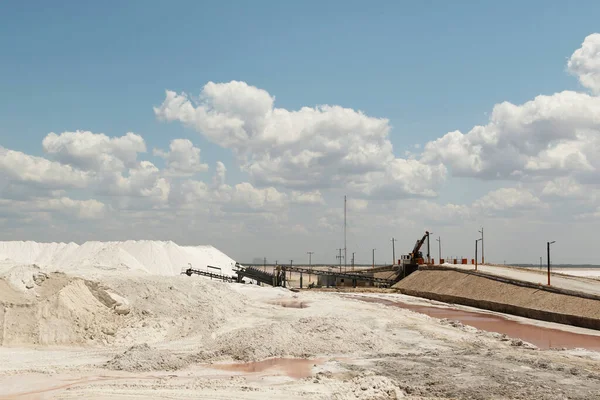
[{"x": 93, "y": 258}]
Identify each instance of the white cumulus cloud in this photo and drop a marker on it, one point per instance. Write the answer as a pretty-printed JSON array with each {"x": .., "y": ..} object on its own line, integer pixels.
[
  {"x": 506, "y": 201},
  {"x": 556, "y": 134},
  {"x": 82, "y": 209},
  {"x": 564, "y": 187},
  {"x": 246, "y": 195},
  {"x": 16, "y": 166},
  {"x": 94, "y": 151},
  {"x": 585, "y": 63},
  {"x": 549, "y": 136},
  {"x": 442, "y": 214},
  {"x": 563, "y": 156},
  {"x": 312, "y": 197},
  {"x": 182, "y": 159},
  {"x": 310, "y": 148},
  {"x": 142, "y": 180},
  {"x": 357, "y": 204},
  {"x": 220, "y": 174}
]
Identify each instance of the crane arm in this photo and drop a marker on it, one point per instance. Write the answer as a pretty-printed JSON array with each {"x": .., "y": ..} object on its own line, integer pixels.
[{"x": 419, "y": 244}]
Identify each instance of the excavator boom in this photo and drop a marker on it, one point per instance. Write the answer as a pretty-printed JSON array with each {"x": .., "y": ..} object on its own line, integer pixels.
[
  {"x": 410, "y": 262},
  {"x": 418, "y": 245}
]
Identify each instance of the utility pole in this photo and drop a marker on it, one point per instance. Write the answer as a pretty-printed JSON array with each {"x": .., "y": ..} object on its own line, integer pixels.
[
  {"x": 482, "y": 253},
  {"x": 476, "y": 240},
  {"x": 428, "y": 251},
  {"x": 439, "y": 240},
  {"x": 353, "y": 260},
  {"x": 310, "y": 253},
  {"x": 549, "y": 243},
  {"x": 345, "y": 248},
  {"x": 540, "y": 263},
  {"x": 340, "y": 256},
  {"x": 265, "y": 264},
  {"x": 374, "y": 258},
  {"x": 393, "y": 251}
]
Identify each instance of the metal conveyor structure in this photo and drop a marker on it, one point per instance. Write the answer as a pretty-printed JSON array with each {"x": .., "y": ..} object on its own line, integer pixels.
[
  {"x": 211, "y": 275},
  {"x": 353, "y": 277},
  {"x": 279, "y": 278},
  {"x": 260, "y": 276}
]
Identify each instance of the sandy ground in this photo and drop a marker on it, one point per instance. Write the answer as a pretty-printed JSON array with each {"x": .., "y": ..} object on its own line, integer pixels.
[
  {"x": 176, "y": 337},
  {"x": 579, "y": 283}
]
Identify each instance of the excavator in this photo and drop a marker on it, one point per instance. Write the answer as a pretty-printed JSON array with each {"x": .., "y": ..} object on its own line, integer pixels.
[{"x": 410, "y": 262}]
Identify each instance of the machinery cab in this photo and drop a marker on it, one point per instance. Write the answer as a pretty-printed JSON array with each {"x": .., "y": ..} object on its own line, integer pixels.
[
  {"x": 408, "y": 265},
  {"x": 404, "y": 259},
  {"x": 408, "y": 259}
]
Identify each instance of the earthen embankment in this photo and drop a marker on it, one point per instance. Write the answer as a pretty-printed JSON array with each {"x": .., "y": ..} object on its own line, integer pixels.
[{"x": 504, "y": 295}]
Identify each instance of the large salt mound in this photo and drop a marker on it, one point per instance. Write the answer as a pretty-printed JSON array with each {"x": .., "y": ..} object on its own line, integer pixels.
[
  {"x": 105, "y": 258},
  {"x": 212, "y": 257},
  {"x": 57, "y": 309},
  {"x": 29, "y": 252},
  {"x": 93, "y": 258}
]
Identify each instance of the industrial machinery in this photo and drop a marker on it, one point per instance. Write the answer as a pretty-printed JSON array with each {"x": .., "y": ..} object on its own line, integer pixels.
[{"x": 410, "y": 262}]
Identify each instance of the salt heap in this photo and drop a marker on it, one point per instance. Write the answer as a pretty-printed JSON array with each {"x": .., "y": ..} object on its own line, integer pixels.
[{"x": 94, "y": 258}]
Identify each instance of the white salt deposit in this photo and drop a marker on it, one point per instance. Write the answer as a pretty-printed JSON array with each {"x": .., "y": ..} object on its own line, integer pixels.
[
  {"x": 24, "y": 277},
  {"x": 585, "y": 272},
  {"x": 95, "y": 258}
]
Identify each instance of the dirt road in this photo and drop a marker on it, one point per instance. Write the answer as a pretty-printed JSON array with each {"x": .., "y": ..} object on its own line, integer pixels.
[{"x": 581, "y": 284}]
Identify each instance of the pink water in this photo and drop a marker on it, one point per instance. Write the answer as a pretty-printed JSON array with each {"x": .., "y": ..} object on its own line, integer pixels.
[{"x": 542, "y": 337}]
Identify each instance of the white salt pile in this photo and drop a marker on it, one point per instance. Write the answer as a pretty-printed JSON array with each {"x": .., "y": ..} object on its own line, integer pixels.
[
  {"x": 38, "y": 308},
  {"x": 94, "y": 258}
]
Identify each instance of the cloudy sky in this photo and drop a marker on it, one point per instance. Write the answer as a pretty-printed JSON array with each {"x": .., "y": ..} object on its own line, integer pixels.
[{"x": 244, "y": 126}]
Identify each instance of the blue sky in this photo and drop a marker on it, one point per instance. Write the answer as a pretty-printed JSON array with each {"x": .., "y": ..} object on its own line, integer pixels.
[{"x": 430, "y": 67}]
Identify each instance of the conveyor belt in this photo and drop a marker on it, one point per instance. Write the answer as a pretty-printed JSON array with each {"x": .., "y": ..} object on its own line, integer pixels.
[
  {"x": 260, "y": 276},
  {"x": 224, "y": 278}
]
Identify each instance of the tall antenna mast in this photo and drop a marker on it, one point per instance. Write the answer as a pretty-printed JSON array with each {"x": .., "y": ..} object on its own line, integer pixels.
[{"x": 345, "y": 249}]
